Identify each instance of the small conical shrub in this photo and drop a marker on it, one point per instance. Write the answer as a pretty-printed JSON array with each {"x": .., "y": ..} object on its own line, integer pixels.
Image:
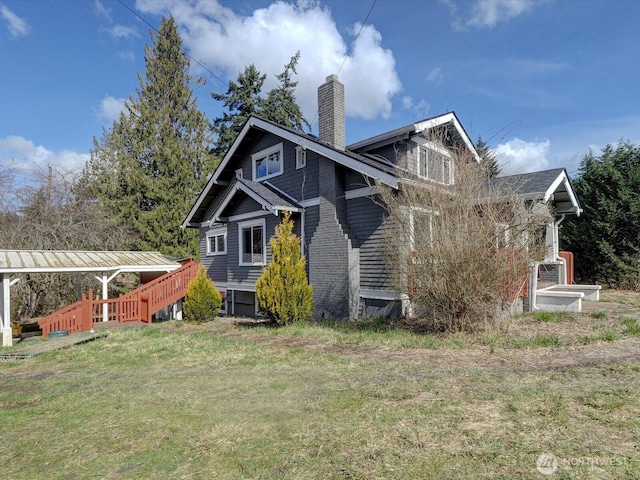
[
  {"x": 202, "y": 300},
  {"x": 283, "y": 291}
]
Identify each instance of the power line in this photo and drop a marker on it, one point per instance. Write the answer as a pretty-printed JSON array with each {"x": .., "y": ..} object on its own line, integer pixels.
[
  {"x": 344, "y": 60},
  {"x": 186, "y": 52}
]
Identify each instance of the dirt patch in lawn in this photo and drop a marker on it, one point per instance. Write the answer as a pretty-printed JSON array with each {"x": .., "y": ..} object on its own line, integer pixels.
[{"x": 594, "y": 337}]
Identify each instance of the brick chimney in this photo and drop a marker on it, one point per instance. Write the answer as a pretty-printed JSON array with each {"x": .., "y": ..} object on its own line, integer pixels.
[{"x": 331, "y": 112}]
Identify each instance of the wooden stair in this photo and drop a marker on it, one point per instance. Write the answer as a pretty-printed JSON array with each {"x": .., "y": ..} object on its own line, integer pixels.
[{"x": 138, "y": 305}]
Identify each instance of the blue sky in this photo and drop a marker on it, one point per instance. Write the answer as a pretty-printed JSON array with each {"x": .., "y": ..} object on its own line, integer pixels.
[{"x": 541, "y": 81}]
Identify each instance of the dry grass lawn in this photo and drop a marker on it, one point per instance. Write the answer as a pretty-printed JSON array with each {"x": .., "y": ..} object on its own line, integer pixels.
[{"x": 372, "y": 401}]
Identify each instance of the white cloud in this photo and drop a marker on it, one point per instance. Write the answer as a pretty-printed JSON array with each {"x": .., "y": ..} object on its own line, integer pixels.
[
  {"x": 435, "y": 75},
  {"x": 420, "y": 110},
  {"x": 486, "y": 13},
  {"x": 519, "y": 156},
  {"x": 29, "y": 158},
  {"x": 121, "y": 31},
  {"x": 110, "y": 108},
  {"x": 101, "y": 10},
  {"x": 226, "y": 42},
  {"x": 127, "y": 55},
  {"x": 18, "y": 27}
]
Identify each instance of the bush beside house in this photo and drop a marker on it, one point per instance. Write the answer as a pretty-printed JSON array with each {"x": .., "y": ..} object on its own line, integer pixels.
[
  {"x": 283, "y": 291},
  {"x": 203, "y": 300}
]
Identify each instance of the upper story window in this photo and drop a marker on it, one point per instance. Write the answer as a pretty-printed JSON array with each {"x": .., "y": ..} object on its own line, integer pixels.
[
  {"x": 435, "y": 164},
  {"x": 217, "y": 241},
  {"x": 252, "y": 240},
  {"x": 301, "y": 157},
  {"x": 267, "y": 163}
]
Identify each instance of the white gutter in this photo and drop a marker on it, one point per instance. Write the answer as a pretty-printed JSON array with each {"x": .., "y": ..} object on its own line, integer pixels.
[
  {"x": 534, "y": 286},
  {"x": 563, "y": 276}
]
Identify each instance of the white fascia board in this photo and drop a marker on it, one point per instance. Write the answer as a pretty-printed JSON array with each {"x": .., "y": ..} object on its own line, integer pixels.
[
  {"x": 446, "y": 118},
  {"x": 261, "y": 201},
  {"x": 125, "y": 268},
  {"x": 361, "y": 192},
  {"x": 563, "y": 179}
]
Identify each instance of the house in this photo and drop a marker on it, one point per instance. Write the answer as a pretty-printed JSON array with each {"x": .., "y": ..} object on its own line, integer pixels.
[{"x": 329, "y": 188}]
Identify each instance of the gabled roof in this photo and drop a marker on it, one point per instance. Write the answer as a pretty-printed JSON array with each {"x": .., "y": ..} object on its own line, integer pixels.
[
  {"x": 448, "y": 120},
  {"x": 545, "y": 185},
  {"x": 265, "y": 194},
  {"x": 368, "y": 165}
]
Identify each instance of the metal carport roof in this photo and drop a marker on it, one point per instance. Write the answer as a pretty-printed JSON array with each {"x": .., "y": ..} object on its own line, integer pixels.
[{"x": 14, "y": 263}]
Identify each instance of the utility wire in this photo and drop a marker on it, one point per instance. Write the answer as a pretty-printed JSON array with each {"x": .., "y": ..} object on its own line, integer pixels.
[
  {"x": 344, "y": 60},
  {"x": 187, "y": 53}
]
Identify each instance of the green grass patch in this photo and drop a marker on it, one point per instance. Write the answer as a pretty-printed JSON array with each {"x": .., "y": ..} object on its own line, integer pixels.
[
  {"x": 600, "y": 315},
  {"x": 166, "y": 402},
  {"x": 552, "y": 317},
  {"x": 631, "y": 326}
]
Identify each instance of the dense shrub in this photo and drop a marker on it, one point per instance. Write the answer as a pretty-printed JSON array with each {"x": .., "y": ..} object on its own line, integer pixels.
[
  {"x": 202, "y": 300},
  {"x": 283, "y": 291}
]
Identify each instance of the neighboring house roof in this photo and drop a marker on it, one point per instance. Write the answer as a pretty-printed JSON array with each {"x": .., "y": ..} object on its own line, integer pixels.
[
  {"x": 47, "y": 261},
  {"x": 368, "y": 165},
  {"x": 545, "y": 185},
  {"x": 448, "y": 120},
  {"x": 267, "y": 195}
]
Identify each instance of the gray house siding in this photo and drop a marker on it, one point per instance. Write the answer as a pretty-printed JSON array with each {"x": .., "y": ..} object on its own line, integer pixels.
[
  {"x": 328, "y": 248},
  {"x": 365, "y": 218},
  {"x": 215, "y": 265},
  {"x": 299, "y": 183}
]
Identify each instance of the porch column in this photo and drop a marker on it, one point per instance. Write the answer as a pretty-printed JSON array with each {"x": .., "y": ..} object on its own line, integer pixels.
[
  {"x": 105, "y": 291},
  {"x": 551, "y": 242},
  {"x": 5, "y": 311}
]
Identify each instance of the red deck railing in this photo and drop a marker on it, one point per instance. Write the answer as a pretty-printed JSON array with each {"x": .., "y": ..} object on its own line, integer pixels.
[{"x": 138, "y": 305}]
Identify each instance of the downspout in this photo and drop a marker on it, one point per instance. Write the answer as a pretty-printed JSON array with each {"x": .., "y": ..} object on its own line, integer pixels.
[
  {"x": 563, "y": 271},
  {"x": 534, "y": 286}
]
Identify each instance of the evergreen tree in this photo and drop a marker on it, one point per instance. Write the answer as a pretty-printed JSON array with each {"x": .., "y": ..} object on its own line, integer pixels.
[
  {"x": 283, "y": 291},
  {"x": 488, "y": 161},
  {"x": 155, "y": 159},
  {"x": 244, "y": 98},
  {"x": 606, "y": 237},
  {"x": 281, "y": 106},
  {"x": 241, "y": 100},
  {"x": 203, "y": 300}
]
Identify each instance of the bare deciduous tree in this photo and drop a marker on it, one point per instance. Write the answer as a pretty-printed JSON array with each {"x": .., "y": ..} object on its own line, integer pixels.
[{"x": 459, "y": 248}]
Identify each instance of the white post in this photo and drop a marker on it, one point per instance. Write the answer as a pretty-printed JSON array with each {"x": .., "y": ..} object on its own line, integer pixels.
[
  {"x": 105, "y": 292},
  {"x": 105, "y": 296},
  {"x": 5, "y": 311}
]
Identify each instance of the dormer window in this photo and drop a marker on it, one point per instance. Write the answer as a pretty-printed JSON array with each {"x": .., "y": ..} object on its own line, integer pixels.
[
  {"x": 267, "y": 163},
  {"x": 435, "y": 164}
]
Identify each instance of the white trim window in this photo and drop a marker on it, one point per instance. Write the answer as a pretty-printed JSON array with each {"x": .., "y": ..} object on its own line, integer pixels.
[
  {"x": 217, "y": 241},
  {"x": 420, "y": 223},
  {"x": 301, "y": 157},
  {"x": 435, "y": 164},
  {"x": 252, "y": 243},
  {"x": 267, "y": 163}
]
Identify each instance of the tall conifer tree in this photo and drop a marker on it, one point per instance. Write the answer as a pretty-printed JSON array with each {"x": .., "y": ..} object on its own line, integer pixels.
[{"x": 155, "y": 159}]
